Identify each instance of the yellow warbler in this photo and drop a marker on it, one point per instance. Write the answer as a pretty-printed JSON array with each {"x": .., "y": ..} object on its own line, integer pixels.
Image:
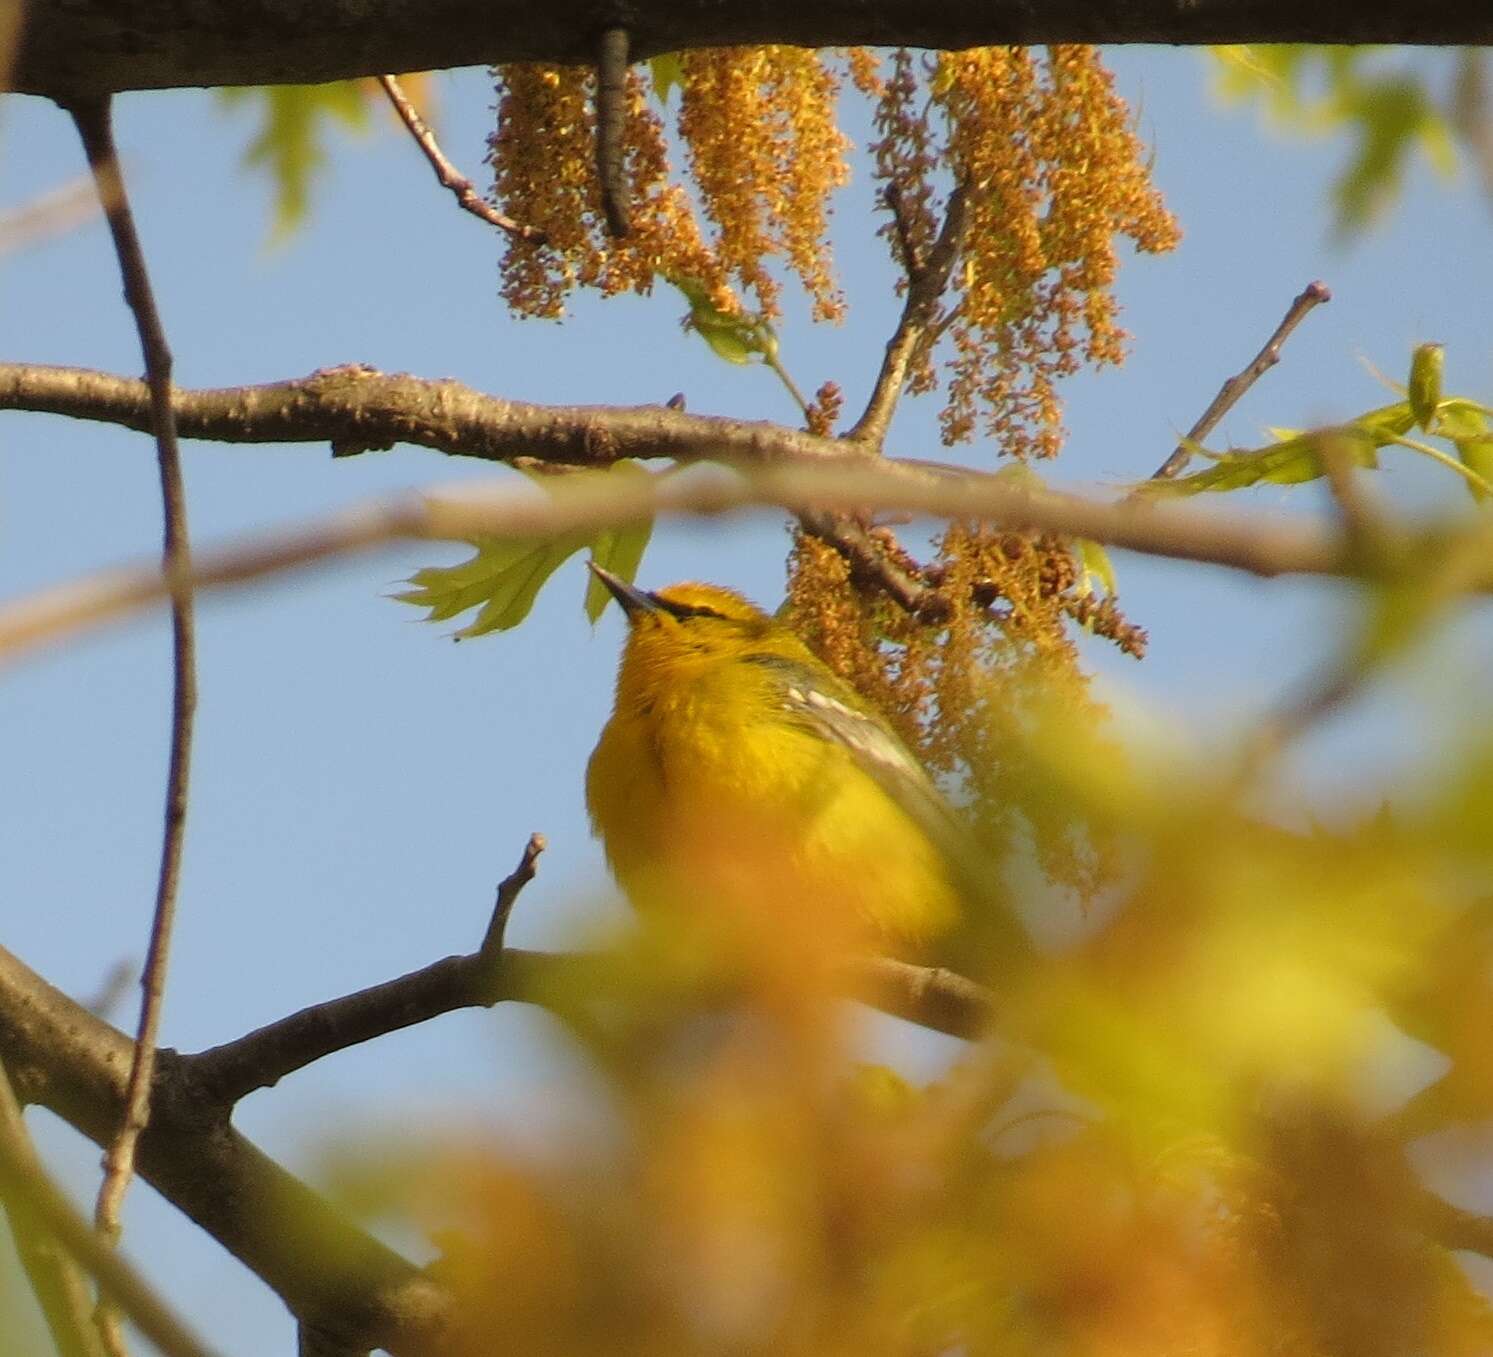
[{"x": 739, "y": 772}]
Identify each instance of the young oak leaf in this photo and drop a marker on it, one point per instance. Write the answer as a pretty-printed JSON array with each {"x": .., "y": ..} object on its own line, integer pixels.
[
  {"x": 504, "y": 576},
  {"x": 1295, "y": 459}
]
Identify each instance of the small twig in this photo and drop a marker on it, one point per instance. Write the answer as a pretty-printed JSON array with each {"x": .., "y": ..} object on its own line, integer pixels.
[
  {"x": 112, "y": 989},
  {"x": 93, "y": 121},
  {"x": 611, "y": 120},
  {"x": 870, "y": 564},
  {"x": 261, "y": 1059},
  {"x": 508, "y": 893},
  {"x": 449, "y": 176},
  {"x": 926, "y": 281},
  {"x": 56, "y": 1281},
  {"x": 26, "y": 1185},
  {"x": 1229, "y": 394}
]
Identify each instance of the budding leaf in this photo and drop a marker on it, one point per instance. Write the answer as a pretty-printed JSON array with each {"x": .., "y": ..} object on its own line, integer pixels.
[{"x": 1426, "y": 365}]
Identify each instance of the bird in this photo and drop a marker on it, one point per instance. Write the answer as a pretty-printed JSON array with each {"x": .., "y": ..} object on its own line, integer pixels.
[{"x": 737, "y": 771}]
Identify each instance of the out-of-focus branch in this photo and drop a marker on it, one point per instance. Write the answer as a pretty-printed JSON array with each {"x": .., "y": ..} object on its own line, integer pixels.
[
  {"x": 1230, "y": 393},
  {"x": 94, "y": 121},
  {"x": 1261, "y": 545},
  {"x": 37, "y": 1206},
  {"x": 56, "y": 1280},
  {"x": 926, "y": 281},
  {"x": 449, "y": 176}
]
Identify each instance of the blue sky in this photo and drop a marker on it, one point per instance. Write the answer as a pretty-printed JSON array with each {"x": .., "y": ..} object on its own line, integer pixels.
[{"x": 361, "y": 783}]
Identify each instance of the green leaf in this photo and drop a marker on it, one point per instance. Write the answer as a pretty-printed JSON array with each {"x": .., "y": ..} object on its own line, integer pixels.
[
  {"x": 667, "y": 70},
  {"x": 619, "y": 550},
  {"x": 1290, "y": 462},
  {"x": 1096, "y": 565},
  {"x": 1476, "y": 454},
  {"x": 1424, "y": 387},
  {"x": 504, "y": 576},
  {"x": 290, "y": 142},
  {"x": 735, "y": 336}
]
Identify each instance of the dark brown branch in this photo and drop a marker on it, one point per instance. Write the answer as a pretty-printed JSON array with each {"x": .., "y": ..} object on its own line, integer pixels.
[
  {"x": 93, "y": 119},
  {"x": 926, "y": 281},
  {"x": 611, "y": 119},
  {"x": 1229, "y": 394},
  {"x": 325, "y": 1269},
  {"x": 449, "y": 176},
  {"x": 98, "y": 46},
  {"x": 480, "y": 979},
  {"x": 508, "y": 893}
]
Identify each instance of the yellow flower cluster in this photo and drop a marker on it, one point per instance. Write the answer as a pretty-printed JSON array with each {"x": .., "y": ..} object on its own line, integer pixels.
[
  {"x": 1053, "y": 173},
  {"x": 766, "y": 153},
  {"x": 966, "y": 692},
  {"x": 543, "y": 159},
  {"x": 764, "y": 150}
]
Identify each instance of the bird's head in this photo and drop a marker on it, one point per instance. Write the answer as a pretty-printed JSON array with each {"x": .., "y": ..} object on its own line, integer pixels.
[{"x": 685, "y": 623}]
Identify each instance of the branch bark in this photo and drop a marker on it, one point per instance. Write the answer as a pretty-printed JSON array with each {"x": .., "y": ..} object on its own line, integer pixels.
[
  {"x": 107, "y": 46},
  {"x": 63, "y": 1058}
]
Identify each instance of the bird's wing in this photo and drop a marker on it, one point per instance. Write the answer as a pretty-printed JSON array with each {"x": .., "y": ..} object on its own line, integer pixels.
[
  {"x": 990, "y": 937},
  {"x": 833, "y": 711}
]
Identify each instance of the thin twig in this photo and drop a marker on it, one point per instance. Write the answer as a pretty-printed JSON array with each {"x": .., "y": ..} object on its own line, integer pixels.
[
  {"x": 926, "y": 281},
  {"x": 1262, "y": 545},
  {"x": 508, "y": 893},
  {"x": 449, "y": 176},
  {"x": 1229, "y": 394},
  {"x": 32, "y": 1197},
  {"x": 56, "y": 1281},
  {"x": 93, "y": 120},
  {"x": 611, "y": 120}
]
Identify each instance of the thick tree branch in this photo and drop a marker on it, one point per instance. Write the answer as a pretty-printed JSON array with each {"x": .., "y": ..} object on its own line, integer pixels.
[
  {"x": 102, "y": 46},
  {"x": 359, "y": 409},
  {"x": 61, "y": 1057}
]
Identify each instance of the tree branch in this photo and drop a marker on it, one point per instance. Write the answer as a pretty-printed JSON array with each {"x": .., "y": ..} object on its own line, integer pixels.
[
  {"x": 93, "y": 119},
  {"x": 1230, "y": 393},
  {"x": 611, "y": 119},
  {"x": 1251, "y": 542},
  {"x": 926, "y": 280},
  {"x": 326, "y": 1270},
  {"x": 446, "y": 173},
  {"x": 100, "y": 46},
  {"x": 56, "y": 1280},
  {"x": 358, "y": 409}
]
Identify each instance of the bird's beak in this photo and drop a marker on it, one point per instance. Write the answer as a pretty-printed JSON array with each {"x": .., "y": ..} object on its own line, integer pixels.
[{"x": 633, "y": 600}]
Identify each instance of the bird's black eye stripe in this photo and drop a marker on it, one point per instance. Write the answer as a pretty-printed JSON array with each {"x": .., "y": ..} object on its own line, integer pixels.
[{"x": 686, "y": 609}]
